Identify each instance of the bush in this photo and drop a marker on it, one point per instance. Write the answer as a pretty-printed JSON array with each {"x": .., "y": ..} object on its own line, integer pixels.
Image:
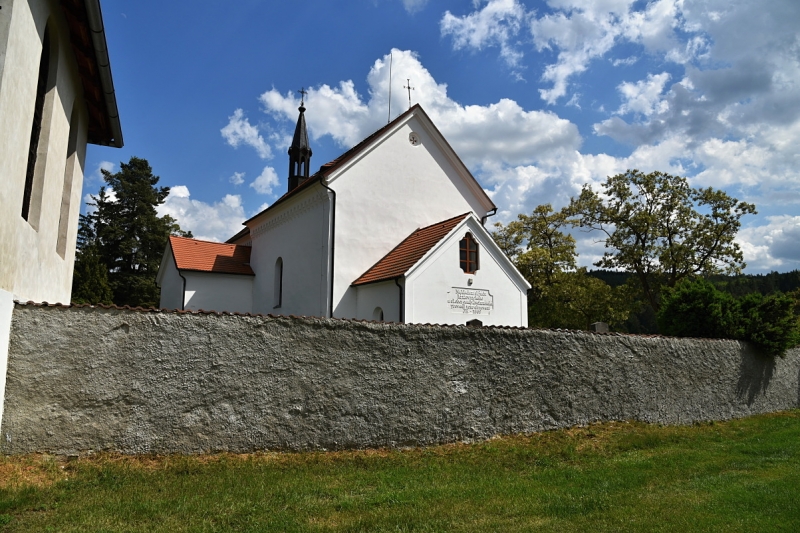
[
  {"x": 697, "y": 309},
  {"x": 768, "y": 322}
]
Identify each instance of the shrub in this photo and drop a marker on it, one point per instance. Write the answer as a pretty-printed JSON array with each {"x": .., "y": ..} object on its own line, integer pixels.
[
  {"x": 768, "y": 322},
  {"x": 697, "y": 309}
]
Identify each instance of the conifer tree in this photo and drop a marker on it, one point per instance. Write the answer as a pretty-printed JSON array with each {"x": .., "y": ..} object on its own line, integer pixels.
[{"x": 126, "y": 236}]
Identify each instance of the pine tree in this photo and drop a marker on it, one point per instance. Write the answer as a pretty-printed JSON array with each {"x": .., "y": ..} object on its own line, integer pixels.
[{"x": 125, "y": 235}]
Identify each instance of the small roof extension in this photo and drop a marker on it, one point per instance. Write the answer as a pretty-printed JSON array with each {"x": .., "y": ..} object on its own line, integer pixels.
[{"x": 213, "y": 257}]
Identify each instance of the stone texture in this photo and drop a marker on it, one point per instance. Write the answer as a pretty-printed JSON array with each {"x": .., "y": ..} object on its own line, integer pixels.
[{"x": 90, "y": 379}]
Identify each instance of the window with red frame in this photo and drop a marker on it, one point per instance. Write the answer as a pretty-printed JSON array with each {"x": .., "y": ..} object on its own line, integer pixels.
[{"x": 468, "y": 253}]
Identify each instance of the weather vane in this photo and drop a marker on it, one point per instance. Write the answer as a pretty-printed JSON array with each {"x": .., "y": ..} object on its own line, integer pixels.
[
  {"x": 303, "y": 94},
  {"x": 410, "y": 88}
]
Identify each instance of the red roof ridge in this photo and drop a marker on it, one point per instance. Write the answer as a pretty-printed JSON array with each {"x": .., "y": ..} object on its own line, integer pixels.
[{"x": 410, "y": 250}]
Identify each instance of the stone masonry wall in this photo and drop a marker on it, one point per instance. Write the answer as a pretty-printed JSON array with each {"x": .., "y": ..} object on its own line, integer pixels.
[{"x": 87, "y": 379}]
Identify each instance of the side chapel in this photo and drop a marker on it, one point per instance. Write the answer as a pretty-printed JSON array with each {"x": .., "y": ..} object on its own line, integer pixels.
[{"x": 392, "y": 230}]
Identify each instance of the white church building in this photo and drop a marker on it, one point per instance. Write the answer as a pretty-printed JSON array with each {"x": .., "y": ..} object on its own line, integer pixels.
[
  {"x": 56, "y": 95},
  {"x": 392, "y": 230}
]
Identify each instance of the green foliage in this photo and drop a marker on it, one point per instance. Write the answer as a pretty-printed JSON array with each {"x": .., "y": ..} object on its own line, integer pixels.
[
  {"x": 662, "y": 230},
  {"x": 126, "y": 236},
  {"x": 561, "y": 296},
  {"x": 769, "y": 322},
  {"x": 696, "y": 308}
]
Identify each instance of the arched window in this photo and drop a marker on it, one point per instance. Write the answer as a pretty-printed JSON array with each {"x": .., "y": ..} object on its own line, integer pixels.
[
  {"x": 34, "y": 180},
  {"x": 377, "y": 315},
  {"x": 277, "y": 293},
  {"x": 468, "y": 254}
]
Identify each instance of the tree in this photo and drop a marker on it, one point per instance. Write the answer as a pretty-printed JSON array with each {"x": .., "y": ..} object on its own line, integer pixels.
[
  {"x": 125, "y": 235},
  {"x": 695, "y": 308},
  {"x": 561, "y": 295},
  {"x": 662, "y": 230}
]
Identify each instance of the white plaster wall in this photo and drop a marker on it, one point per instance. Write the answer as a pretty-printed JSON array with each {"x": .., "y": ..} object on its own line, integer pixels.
[
  {"x": 385, "y": 295},
  {"x": 392, "y": 190},
  {"x": 32, "y": 269},
  {"x": 170, "y": 282},
  {"x": 298, "y": 232},
  {"x": 6, "y": 308},
  {"x": 5, "y": 24},
  {"x": 429, "y": 287},
  {"x": 218, "y": 292}
]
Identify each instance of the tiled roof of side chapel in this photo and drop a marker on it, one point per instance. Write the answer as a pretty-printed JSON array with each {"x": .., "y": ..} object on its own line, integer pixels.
[
  {"x": 406, "y": 254},
  {"x": 338, "y": 162},
  {"x": 214, "y": 257}
]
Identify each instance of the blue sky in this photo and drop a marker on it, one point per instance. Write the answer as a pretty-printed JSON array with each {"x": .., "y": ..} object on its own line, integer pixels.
[{"x": 538, "y": 98}]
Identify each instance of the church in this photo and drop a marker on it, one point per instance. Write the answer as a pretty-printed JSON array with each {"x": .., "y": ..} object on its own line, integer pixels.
[
  {"x": 56, "y": 95},
  {"x": 392, "y": 230}
]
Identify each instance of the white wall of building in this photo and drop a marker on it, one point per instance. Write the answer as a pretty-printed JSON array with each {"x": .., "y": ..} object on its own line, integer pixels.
[
  {"x": 36, "y": 266},
  {"x": 439, "y": 292},
  {"x": 298, "y": 232},
  {"x": 384, "y": 295},
  {"x": 218, "y": 292},
  {"x": 170, "y": 282},
  {"x": 385, "y": 194},
  {"x": 6, "y": 308}
]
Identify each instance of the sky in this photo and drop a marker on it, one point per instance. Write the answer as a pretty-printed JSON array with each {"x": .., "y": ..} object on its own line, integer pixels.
[{"x": 538, "y": 98}]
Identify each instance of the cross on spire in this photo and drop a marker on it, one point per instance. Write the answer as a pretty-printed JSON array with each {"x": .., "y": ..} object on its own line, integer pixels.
[
  {"x": 410, "y": 88},
  {"x": 303, "y": 94}
]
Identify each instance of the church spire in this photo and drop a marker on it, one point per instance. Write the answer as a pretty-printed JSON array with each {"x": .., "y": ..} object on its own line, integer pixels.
[{"x": 299, "y": 151}]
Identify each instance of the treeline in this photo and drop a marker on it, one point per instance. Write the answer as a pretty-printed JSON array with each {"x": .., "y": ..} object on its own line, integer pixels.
[{"x": 671, "y": 265}]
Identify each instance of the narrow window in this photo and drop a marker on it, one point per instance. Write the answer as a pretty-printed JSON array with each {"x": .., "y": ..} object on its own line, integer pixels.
[
  {"x": 66, "y": 192},
  {"x": 36, "y": 129},
  {"x": 468, "y": 254},
  {"x": 277, "y": 293},
  {"x": 377, "y": 315}
]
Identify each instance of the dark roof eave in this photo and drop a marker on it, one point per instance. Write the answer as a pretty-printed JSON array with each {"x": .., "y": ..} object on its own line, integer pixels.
[
  {"x": 216, "y": 272},
  {"x": 382, "y": 280}
]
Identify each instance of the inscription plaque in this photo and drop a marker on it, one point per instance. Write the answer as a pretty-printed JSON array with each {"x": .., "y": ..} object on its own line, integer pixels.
[{"x": 470, "y": 301}]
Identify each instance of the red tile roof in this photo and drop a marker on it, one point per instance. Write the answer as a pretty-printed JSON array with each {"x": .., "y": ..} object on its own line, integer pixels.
[
  {"x": 216, "y": 257},
  {"x": 406, "y": 254}
]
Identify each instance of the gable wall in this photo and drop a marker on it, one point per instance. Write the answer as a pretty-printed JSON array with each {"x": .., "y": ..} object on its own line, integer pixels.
[
  {"x": 170, "y": 282},
  {"x": 33, "y": 268},
  {"x": 393, "y": 190},
  {"x": 298, "y": 232},
  {"x": 431, "y": 288}
]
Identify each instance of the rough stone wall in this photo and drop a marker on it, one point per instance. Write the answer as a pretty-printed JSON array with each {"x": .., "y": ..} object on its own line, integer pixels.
[{"x": 88, "y": 379}]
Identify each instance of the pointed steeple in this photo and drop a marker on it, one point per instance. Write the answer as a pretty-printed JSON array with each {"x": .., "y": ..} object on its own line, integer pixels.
[{"x": 299, "y": 151}]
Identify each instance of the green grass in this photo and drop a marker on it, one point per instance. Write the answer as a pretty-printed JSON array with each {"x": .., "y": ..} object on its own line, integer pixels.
[{"x": 742, "y": 475}]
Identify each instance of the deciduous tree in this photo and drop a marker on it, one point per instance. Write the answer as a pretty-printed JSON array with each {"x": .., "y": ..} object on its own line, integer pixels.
[{"x": 662, "y": 230}]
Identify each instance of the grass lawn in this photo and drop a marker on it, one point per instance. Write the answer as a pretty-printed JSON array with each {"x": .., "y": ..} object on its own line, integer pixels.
[{"x": 742, "y": 475}]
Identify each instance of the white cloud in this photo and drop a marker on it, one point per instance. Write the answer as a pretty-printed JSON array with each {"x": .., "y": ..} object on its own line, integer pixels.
[
  {"x": 239, "y": 131},
  {"x": 644, "y": 96},
  {"x": 496, "y": 24},
  {"x": 773, "y": 245},
  {"x": 214, "y": 222},
  {"x": 502, "y": 131},
  {"x": 264, "y": 183},
  {"x": 412, "y": 6},
  {"x": 237, "y": 178}
]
